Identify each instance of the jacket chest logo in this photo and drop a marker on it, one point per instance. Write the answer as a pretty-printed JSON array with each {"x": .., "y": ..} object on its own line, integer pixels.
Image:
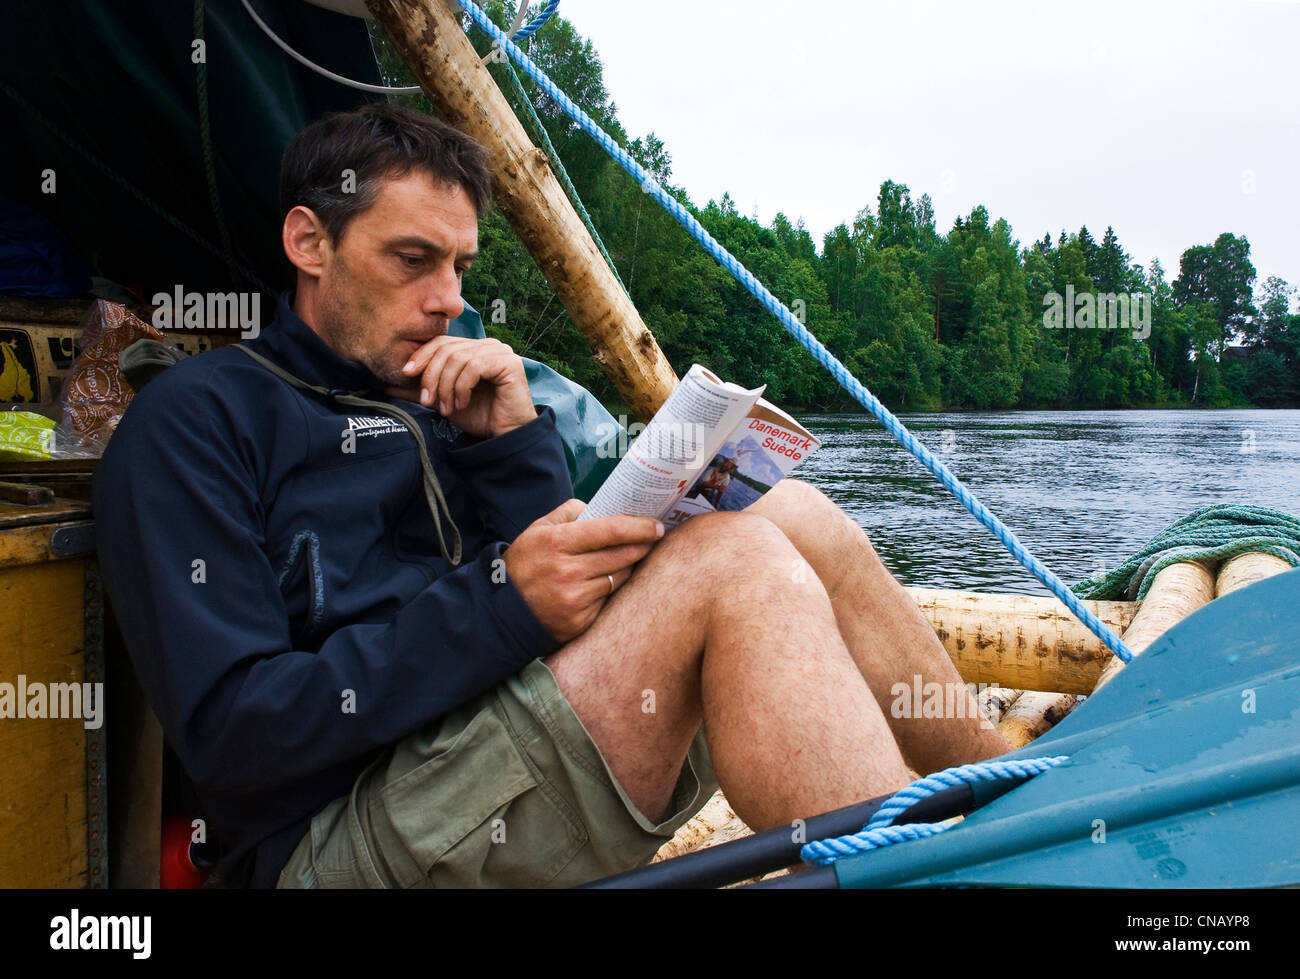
[{"x": 372, "y": 426}]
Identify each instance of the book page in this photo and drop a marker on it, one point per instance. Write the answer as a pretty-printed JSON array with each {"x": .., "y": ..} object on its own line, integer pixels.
[
  {"x": 679, "y": 442},
  {"x": 756, "y": 455}
]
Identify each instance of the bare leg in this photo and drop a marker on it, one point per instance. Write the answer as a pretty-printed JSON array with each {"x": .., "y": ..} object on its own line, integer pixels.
[
  {"x": 887, "y": 635},
  {"x": 710, "y": 628}
]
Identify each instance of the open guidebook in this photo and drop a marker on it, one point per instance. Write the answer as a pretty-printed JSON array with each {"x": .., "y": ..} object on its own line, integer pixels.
[{"x": 711, "y": 446}]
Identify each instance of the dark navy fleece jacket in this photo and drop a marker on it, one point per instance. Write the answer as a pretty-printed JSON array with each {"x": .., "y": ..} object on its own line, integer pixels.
[{"x": 283, "y": 600}]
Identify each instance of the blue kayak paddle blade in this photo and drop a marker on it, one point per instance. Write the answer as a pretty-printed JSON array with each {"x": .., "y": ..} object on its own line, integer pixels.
[{"x": 1184, "y": 771}]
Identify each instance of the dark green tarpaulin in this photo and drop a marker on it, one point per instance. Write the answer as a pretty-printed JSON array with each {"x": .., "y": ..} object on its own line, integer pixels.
[
  {"x": 105, "y": 94},
  {"x": 94, "y": 88}
]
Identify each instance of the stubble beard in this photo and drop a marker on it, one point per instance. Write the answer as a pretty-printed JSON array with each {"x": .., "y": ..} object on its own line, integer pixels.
[{"x": 344, "y": 316}]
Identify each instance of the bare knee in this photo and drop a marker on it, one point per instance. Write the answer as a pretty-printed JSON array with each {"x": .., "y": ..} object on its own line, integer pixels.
[
  {"x": 793, "y": 500},
  {"x": 731, "y": 559},
  {"x": 794, "y": 493},
  {"x": 821, "y": 531},
  {"x": 726, "y": 536}
]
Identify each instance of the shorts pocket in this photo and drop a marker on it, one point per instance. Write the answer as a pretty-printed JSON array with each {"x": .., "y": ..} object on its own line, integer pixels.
[
  {"x": 478, "y": 813},
  {"x": 332, "y": 860}
]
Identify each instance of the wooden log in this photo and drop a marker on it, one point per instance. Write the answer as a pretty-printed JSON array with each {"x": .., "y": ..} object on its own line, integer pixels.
[
  {"x": 716, "y": 823},
  {"x": 1246, "y": 569},
  {"x": 1033, "y": 714},
  {"x": 1021, "y": 641},
  {"x": 429, "y": 36},
  {"x": 994, "y": 702},
  {"x": 25, "y": 494},
  {"x": 1176, "y": 591}
]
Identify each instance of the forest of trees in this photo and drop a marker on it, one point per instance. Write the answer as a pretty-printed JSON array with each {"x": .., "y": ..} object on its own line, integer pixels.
[{"x": 926, "y": 320}]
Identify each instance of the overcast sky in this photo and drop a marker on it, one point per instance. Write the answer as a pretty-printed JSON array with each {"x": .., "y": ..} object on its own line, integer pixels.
[{"x": 1171, "y": 121}]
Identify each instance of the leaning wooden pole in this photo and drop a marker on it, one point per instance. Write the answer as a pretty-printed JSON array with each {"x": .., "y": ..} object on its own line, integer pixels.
[{"x": 429, "y": 36}]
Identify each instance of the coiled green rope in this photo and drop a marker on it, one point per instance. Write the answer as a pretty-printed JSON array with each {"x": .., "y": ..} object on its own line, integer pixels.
[{"x": 1211, "y": 533}]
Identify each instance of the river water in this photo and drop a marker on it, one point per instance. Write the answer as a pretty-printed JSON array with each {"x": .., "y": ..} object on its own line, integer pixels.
[{"x": 1082, "y": 490}]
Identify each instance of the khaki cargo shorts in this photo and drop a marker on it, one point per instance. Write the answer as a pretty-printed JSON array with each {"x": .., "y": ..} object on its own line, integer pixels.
[{"x": 508, "y": 790}]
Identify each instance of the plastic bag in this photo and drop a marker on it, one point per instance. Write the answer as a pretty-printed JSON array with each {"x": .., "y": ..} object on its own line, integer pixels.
[
  {"x": 94, "y": 395},
  {"x": 26, "y": 435}
]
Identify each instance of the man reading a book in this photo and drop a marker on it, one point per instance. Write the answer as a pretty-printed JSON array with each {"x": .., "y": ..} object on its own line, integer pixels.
[{"x": 347, "y": 567}]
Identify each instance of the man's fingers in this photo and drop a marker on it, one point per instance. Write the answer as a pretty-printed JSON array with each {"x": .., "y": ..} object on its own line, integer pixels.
[
  {"x": 566, "y": 568},
  {"x": 420, "y": 359},
  {"x": 432, "y": 378},
  {"x": 603, "y": 532},
  {"x": 462, "y": 389},
  {"x": 494, "y": 364},
  {"x": 457, "y": 380},
  {"x": 449, "y": 368},
  {"x": 601, "y": 586},
  {"x": 426, "y": 365},
  {"x": 614, "y": 560}
]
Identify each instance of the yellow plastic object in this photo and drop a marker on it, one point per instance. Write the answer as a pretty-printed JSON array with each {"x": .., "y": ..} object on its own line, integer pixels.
[{"x": 25, "y": 435}]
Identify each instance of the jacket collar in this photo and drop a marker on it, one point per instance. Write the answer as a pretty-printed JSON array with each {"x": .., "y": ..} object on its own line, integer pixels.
[{"x": 295, "y": 346}]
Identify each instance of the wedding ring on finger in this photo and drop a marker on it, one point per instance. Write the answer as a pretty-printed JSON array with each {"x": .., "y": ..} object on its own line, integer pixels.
[{"x": 611, "y": 583}]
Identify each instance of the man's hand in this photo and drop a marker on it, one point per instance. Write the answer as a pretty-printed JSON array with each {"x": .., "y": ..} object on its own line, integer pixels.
[
  {"x": 562, "y": 568},
  {"x": 477, "y": 385}
]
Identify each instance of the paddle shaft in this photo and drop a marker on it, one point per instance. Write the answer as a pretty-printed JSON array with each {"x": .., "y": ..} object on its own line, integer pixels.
[{"x": 753, "y": 856}]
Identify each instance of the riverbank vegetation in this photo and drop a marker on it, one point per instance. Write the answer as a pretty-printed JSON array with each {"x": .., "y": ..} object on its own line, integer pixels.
[{"x": 967, "y": 318}]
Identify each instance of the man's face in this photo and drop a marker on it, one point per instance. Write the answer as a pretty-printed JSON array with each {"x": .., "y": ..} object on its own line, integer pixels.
[{"x": 392, "y": 283}]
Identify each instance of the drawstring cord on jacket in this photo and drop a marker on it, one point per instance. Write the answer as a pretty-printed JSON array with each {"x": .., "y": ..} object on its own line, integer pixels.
[{"x": 432, "y": 488}]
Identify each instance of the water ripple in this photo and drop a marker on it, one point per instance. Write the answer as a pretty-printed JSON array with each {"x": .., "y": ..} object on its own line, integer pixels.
[{"x": 1082, "y": 490}]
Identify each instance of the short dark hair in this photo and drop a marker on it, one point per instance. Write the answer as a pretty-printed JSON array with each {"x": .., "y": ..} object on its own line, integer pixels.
[{"x": 378, "y": 142}]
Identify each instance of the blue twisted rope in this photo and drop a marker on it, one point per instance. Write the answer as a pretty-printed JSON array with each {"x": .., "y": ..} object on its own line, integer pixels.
[
  {"x": 984, "y": 771},
  {"x": 826, "y": 852},
  {"x": 809, "y": 342},
  {"x": 878, "y": 832},
  {"x": 534, "y": 25}
]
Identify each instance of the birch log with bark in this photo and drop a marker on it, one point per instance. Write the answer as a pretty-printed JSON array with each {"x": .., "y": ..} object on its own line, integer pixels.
[
  {"x": 1246, "y": 569},
  {"x": 1022, "y": 641},
  {"x": 431, "y": 41},
  {"x": 1033, "y": 714},
  {"x": 1177, "y": 591}
]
